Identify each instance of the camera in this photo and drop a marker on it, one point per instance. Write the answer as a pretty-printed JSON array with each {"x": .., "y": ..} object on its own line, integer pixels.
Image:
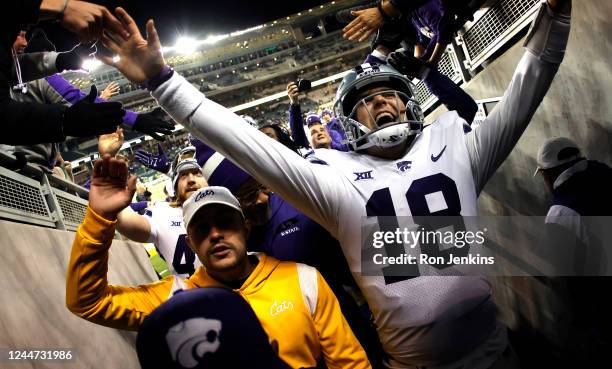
[{"x": 303, "y": 85}]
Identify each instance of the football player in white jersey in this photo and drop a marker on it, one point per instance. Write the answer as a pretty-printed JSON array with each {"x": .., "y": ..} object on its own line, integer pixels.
[
  {"x": 162, "y": 223},
  {"x": 395, "y": 168}
]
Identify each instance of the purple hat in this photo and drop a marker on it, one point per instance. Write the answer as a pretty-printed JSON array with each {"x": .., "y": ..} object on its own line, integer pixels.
[
  {"x": 312, "y": 118},
  {"x": 205, "y": 328},
  {"x": 217, "y": 169}
]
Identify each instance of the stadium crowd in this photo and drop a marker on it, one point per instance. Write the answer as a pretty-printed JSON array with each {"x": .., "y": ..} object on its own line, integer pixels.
[{"x": 260, "y": 225}]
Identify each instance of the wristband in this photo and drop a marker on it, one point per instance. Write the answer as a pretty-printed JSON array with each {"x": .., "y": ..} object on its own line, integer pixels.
[
  {"x": 385, "y": 16},
  {"x": 165, "y": 74}
]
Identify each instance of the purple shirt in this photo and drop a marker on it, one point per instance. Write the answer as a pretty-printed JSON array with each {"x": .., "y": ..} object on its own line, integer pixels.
[{"x": 291, "y": 235}]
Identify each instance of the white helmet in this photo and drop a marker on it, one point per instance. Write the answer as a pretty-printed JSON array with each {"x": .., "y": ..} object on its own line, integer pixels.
[{"x": 363, "y": 78}]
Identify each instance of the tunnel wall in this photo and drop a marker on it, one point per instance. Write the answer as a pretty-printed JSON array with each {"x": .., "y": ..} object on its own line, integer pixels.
[{"x": 33, "y": 313}]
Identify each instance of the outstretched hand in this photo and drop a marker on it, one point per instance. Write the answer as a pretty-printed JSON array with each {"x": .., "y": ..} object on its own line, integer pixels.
[
  {"x": 158, "y": 162},
  {"x": 111, "y": 90},
  {"x": 88, "y": 20},
  {"x": 293, "y": 92},
  {"x": 367, "y": 22},
  {"x": 112, "y": 188},
  {"x": 110, "y": 143},
  {"x": 139, "y": 59},
  {"x": 153, "y": 124}
]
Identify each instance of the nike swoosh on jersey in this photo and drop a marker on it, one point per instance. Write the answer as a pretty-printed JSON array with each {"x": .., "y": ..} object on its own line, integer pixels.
[{"x": 435, "y": 158}]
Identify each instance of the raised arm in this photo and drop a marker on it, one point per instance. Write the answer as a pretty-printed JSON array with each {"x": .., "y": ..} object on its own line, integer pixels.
[
  {"x": 130, "y": 224},
  {"x": 316, "y": 192},
  {"x": 295, "y": 116},
  {"x": 135, "y": 227},
  {"x": 88, "y": 294},
  {"x": 491, "y": 142},
  {"x": 313, "y": 189}
]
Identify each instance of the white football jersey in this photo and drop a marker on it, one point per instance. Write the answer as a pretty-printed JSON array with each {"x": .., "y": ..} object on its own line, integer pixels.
[
  {"x": 168, "y": 235},
  {"x": 427, "y": 320},
  {"x": 414, "y": 316}
]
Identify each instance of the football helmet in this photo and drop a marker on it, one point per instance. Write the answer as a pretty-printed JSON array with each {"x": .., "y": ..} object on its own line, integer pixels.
[{"x": 408, "y": 114}]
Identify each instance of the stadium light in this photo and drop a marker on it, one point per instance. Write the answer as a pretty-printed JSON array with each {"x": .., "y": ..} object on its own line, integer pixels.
[
  {"x": 185, "y": 45},
  {"x": 212, "y": 39},
  {"x": 90, "y": 64}
]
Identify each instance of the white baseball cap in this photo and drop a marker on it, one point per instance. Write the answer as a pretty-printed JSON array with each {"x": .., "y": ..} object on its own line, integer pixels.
[
  {"x": 208, "y": 196},
  {"x": 557, "y": 151},
  {"x": 182, "y": 166}
]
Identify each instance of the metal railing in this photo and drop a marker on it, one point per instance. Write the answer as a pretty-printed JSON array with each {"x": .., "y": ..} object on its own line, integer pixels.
[
  {"x": 30, "y": 195},
  {"x": 494, "y": 28},
  {"x": 478, "y": 41}
]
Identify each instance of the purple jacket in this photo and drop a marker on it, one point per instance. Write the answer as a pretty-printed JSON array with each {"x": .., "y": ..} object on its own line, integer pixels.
[{"x": 72, "y": 94}]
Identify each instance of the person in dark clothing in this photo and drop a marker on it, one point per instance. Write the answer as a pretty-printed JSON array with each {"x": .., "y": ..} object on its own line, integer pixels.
[
  {"x": 578, "y": 220},
  {"x": 55, "y": 89},
  {"x": 400, "y": 31},
  {"x": 31, "y": 123}
]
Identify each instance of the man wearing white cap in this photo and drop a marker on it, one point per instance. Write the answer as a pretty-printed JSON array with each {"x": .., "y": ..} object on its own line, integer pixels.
[
  {"x": 294, "y": 304},
  {"x": 579, "y": 186}
]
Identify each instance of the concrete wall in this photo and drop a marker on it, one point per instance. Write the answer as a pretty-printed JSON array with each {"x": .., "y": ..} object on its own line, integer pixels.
[
  {"x": 578, "y": 105},
  {"x": 33, "y": 313}
]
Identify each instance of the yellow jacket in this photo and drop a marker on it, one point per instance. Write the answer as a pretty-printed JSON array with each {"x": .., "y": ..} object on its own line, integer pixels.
[{"x": 294, "y": 304}]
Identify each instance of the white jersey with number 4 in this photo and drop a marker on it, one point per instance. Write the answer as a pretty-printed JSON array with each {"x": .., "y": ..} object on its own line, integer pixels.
[
  {"x": 168, "y": 235},
  {"x": 426, "y": 320}
]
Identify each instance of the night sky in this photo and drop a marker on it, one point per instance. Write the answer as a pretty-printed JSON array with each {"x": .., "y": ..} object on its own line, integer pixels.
[{"x": 194, "y": 18}]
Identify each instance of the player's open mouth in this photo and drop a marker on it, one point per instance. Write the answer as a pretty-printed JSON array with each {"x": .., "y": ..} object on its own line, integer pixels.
[{"x": 384, "y": 118}]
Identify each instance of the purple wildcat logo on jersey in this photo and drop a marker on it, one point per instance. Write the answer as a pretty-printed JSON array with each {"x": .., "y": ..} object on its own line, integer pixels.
[
  {"x": 203, "y": 194},
  {"x": 403, "y": 166}
]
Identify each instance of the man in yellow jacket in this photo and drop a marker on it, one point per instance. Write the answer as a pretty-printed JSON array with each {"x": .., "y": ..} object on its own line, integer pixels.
[{"x": 293, "y": 303}]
